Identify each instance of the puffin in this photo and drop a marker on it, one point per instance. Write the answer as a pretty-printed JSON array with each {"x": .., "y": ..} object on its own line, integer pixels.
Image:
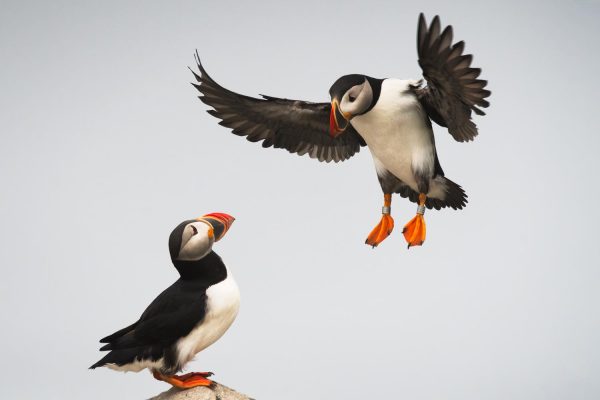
[
  {"x": 392, "y": 117},
  {"x": 188, "y": 316}
]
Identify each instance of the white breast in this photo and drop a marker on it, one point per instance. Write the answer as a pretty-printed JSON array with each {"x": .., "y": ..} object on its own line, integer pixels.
[
  {"x": 397, "y": 132},
  {"x": 223, "y": 303}
]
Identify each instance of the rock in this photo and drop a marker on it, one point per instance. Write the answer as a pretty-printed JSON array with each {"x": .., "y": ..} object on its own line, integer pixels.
[{"x": 216, "y": 392}]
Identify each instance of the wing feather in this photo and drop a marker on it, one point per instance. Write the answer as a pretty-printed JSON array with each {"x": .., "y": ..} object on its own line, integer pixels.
[
  {"x": 298, "y": 126},
  {"x": 453, "y": 89}
]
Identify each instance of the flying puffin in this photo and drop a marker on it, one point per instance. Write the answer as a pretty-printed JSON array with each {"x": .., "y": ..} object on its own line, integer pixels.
[
  {"x": 188, "y": 316},
  {"x": 392, "y": 117}
]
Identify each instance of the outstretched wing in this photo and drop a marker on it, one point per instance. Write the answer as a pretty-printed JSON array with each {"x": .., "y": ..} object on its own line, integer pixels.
[
  {"x": 298, "y": 126},
  {"x": 452, "y": 90}
]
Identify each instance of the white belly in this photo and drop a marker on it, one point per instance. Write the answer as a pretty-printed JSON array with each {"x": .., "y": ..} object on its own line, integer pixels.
[
  {"x": 397, "y": 132},
  {"x": 137, "y": 365},
  {"x": 222, "y": 307}
]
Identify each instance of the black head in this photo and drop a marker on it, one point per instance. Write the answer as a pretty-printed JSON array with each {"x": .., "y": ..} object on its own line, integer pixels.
[
  {"x": 343, "y": 84},
  {"x": 193, "y": 239},
  {"x": 351, "y": 95}
]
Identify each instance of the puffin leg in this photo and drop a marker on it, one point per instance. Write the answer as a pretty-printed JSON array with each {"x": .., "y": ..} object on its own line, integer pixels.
[
  {"x": 414, "y": 231},
  {"x": 186, "y": 381},
  {"x": 385, "y": 226}
]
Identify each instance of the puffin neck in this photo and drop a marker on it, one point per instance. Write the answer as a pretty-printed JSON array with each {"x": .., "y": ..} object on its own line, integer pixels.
[
  {"x": 376, "y": 87},
  {"x": 209, "y": 269}
]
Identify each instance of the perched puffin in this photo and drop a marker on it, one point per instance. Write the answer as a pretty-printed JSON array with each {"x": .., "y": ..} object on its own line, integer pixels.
[
  {"x": 390, "y": 116},
  {"x": 188, "y": 316}
]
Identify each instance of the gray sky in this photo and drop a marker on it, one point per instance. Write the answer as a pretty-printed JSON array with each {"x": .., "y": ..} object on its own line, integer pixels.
[{"x": 105, "y": 149}]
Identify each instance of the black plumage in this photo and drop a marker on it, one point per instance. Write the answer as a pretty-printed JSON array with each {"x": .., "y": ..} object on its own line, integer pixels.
[
  {"x": 453, "y": 89},
  {"x": 456, "y": 197},
  {"x": 393, "y": 116},
  {"x": 171, "y": 316},
  {"x": 298, "y": 126},
  {"x": 452, "y": 92}
]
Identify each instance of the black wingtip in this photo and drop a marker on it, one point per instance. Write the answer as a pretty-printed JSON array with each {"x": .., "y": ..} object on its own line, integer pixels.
[
  {"x": 197, "y": 58},
  {"x": 106, "y": 347},
  {"x": 95, "y": 365},
  {"x": 434, "y": 29},
  {"x": 421, "y": 31},
  {"x": 196, "y": 76},
  {"x": 199, "y": 63}
]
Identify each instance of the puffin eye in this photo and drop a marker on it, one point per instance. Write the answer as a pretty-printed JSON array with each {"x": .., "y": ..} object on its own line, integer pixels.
[
  {"x": 351, "y": 98},
  {"x": 194, "y": 230}
]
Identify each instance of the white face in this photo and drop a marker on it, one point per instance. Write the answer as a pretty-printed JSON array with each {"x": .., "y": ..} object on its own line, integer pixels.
[
  {"x": 357, "y": 99},
  {"x": 196, "y": 241}
]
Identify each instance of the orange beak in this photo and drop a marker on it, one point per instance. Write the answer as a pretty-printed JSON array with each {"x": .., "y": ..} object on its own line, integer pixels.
[
  {"x": 336, "y": 115},
  {"x": 220, "y": 222}
]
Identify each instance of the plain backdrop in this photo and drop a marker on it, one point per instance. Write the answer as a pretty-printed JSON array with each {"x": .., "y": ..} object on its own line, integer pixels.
[{"x": 105, "y": 148}]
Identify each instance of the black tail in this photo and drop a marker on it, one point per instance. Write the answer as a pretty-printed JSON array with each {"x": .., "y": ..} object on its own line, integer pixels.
[
  {"x": 455, "y": 198},
  {"x": 120, "y": 357}
]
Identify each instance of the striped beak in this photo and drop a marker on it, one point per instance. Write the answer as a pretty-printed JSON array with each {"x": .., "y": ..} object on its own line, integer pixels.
[
  {"x": 335, "y": 128},
  {"x": 220, "y": 223}
]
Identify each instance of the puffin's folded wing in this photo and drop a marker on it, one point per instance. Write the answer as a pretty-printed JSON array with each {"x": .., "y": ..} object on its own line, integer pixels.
[
  {"x": 452, "y": 90},
  {"x": 171, "y": 316},
  {"x": 119, "y": 333},
  {"x": 298, "y": 126}
]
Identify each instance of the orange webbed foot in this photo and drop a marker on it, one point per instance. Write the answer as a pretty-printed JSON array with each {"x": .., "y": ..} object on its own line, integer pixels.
[
  {"x": 381, "y": 231},
  {"x": 195, "y": 374},
  {"x": 385, "y": 226},
  {"x": 414, "y": 231},
  {"x": 186, "y": 381}
]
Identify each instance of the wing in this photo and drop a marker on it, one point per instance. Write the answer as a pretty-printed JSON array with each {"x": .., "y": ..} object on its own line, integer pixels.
[
  {"x": 172, "y": 315},
  {"x": 452, "y": 90},
  {"x": 118, "y": 334},
  {"x": 298, "y": 126}
]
